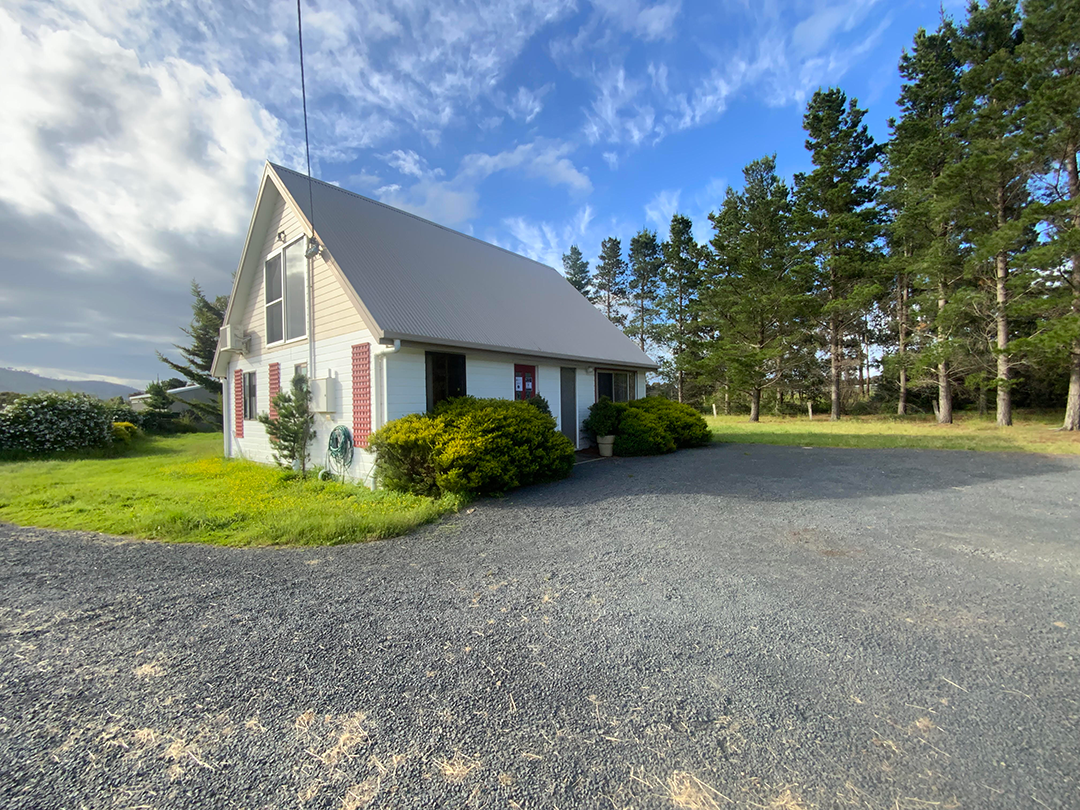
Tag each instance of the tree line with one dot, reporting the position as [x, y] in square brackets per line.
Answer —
[948, 257]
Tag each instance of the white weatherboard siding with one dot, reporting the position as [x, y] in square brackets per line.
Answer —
[334, 360]
[337, 328]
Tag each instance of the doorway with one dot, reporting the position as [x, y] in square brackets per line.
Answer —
[568, 404]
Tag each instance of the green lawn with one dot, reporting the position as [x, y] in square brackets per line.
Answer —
[180, 488]
[1029, 434]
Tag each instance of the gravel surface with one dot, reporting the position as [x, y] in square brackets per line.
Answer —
[737, 626]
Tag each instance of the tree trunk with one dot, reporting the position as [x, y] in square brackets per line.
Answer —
[944, 408]
[727, 400]
[1072, 405]
[755, 405]
[1001, 266]
[834, 367]
[982, 399]
[901, 322]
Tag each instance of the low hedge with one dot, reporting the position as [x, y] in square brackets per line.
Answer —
[644, 427]
[686, 426]
[49, 422]
[478, 446]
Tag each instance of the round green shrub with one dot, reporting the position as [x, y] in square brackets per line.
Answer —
[642, 434]
[405, 453]
[685, 425]
[540, 404]
[469, 445]
[604, 417]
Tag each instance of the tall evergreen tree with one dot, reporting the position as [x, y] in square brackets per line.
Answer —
[646, 261]
[206, 320]
[680, 276]
[995, 169]
[1051, 59]
[838, 218]
[923, 236]
[609, 281]
[576, 270]
[753, 292]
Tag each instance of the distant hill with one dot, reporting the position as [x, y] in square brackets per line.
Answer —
[23, 382]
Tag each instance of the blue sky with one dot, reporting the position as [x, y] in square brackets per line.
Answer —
[134, 133]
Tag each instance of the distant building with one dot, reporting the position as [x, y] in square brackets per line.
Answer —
[183, 395]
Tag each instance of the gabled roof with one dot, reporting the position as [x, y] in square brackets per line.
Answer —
[423, 282]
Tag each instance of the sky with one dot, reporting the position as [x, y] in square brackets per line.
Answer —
[134, 133]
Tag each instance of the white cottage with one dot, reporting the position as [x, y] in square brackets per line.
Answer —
[388, 314]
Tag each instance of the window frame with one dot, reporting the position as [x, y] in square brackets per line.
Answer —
[249, 393]
[429, 377]
[280, 253]
[631, 383]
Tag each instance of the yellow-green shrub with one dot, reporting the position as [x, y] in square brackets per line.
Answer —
[471, 445]
[124, 432]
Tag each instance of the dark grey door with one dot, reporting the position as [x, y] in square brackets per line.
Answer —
[568, 389]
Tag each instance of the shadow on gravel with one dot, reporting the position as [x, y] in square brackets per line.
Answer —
[770, 473]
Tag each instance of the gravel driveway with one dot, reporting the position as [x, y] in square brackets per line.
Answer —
[736, 626]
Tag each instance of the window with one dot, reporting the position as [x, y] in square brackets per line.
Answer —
[251, 409]
[285, 278]
[300, 370]
[524, 382]
[445, 377]
[618, 386]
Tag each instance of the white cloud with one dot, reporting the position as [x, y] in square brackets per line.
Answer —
[661, 208]
[780, 62]
[527, 104]
[546, 242]
[644, 21]
[133, 150]
[409, 163]
[454, 201]
[611, 159]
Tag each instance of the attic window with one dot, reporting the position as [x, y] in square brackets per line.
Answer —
[286, 285]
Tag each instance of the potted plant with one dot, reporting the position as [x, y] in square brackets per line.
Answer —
[603, 423]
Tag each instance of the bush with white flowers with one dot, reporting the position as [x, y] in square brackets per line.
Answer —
[49, 422]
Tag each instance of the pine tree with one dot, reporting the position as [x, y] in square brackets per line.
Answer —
[291, 431]
[1051, 61]
[680, 276]
[753, 292]
[923, 235]
[995, 170]
[207, 317]
[576, 270]
[837, 215]
[646, 261]
[158, 400]
[609, 281]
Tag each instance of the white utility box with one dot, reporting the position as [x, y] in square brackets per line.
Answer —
[322, 394]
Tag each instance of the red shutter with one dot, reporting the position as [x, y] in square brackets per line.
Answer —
[361, 394]
[275, 386]
[238, 403]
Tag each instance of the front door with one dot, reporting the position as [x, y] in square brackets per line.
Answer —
[568, 403]
[524, 381]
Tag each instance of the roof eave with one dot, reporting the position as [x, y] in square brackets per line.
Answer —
[518, 350]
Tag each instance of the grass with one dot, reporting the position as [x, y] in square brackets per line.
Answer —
[1031, 433]
[179, 488]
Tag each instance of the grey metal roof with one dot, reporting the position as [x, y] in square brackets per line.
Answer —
[424, 282]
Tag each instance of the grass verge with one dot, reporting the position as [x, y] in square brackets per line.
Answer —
[1031, 433]
[179, 488]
